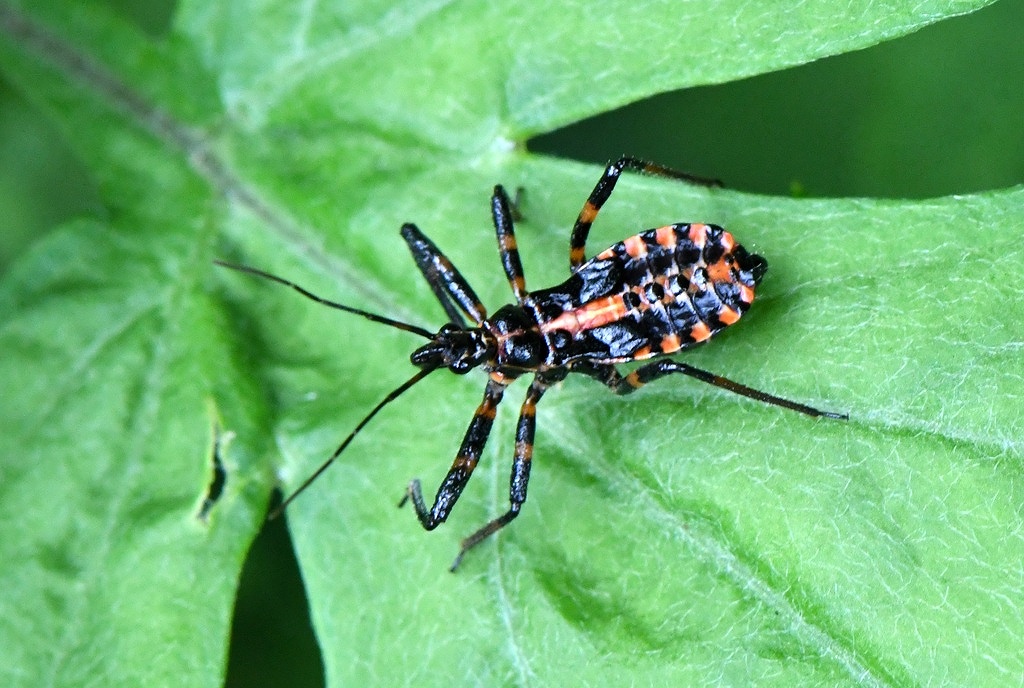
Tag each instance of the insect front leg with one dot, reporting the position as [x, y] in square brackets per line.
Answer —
[603, 189]
[462, 468]
[449, 286]
[521, 462]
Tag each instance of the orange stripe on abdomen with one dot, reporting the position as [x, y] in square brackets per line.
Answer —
[594, 314]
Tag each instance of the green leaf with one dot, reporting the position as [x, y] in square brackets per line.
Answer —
[679, 536]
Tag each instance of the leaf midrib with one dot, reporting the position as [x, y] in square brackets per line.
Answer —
[193, 146]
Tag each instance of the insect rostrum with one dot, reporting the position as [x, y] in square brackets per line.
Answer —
[647, 297]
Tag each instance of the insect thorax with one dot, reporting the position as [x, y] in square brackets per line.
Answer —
[519, 342]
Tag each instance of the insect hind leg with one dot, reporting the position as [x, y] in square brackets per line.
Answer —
[603, 190]
[627, 384]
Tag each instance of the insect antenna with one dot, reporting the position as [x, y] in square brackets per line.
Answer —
[326, 302]
[397, 392]
[394, 394]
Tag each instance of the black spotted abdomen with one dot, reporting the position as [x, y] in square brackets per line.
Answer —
[654, 293]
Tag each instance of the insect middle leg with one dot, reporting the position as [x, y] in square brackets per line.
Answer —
[603, 189]
[520, 477]
[627, 384]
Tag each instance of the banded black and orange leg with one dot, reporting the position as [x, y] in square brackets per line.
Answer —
[603, 189]
[521, 461]
[449, 286]
[501, 211]
[627, 384]
[465, 461]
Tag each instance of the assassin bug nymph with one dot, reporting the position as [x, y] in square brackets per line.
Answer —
[648, 296]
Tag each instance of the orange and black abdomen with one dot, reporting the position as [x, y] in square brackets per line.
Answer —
[652, 294]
